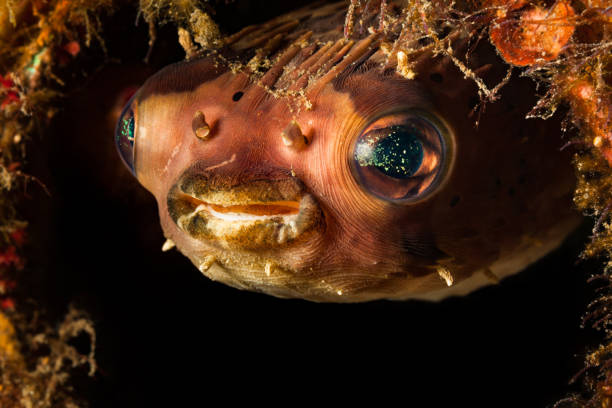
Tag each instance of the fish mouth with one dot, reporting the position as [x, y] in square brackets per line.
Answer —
[249, 214]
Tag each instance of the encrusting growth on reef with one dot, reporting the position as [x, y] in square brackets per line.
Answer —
[37, 38]
[34, 372]
[31, 378]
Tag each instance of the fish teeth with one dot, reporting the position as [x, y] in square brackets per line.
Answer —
[293, 225]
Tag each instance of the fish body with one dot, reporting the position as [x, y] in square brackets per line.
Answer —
[300, 163]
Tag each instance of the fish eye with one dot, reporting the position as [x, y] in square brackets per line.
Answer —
[401, 156]
[125, 136]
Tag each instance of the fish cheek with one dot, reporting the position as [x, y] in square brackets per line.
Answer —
[480, 226]
[405, 243]
[371, 236]
[352, 216]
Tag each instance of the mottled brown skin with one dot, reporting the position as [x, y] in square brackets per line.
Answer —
[504, 202]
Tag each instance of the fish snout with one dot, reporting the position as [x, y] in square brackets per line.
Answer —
[245, 212]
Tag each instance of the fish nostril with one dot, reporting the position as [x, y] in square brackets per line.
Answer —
[236, 97]
[293, 137]
[199, 126]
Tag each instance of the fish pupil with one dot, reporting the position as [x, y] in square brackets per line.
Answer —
[125, 137]
[127, 128]
[396, 151]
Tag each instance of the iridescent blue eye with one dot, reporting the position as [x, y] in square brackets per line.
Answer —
[125, 136]
[400, 156]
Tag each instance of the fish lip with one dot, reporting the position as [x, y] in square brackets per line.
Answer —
[272, 213]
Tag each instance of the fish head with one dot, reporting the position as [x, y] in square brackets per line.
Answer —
[353, 184]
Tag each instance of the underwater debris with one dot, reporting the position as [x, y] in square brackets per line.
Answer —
[206, 32]
[192, 17]
[35, 373]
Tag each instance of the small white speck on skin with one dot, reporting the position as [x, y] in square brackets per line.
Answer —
[268, 268]
[175, 151]
[223, 163]
[207, 263]
[445, 274]
[168, 245]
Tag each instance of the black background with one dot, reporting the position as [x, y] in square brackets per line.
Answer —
[169, 337]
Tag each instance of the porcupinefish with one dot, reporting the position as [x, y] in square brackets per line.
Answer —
[301, 163]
